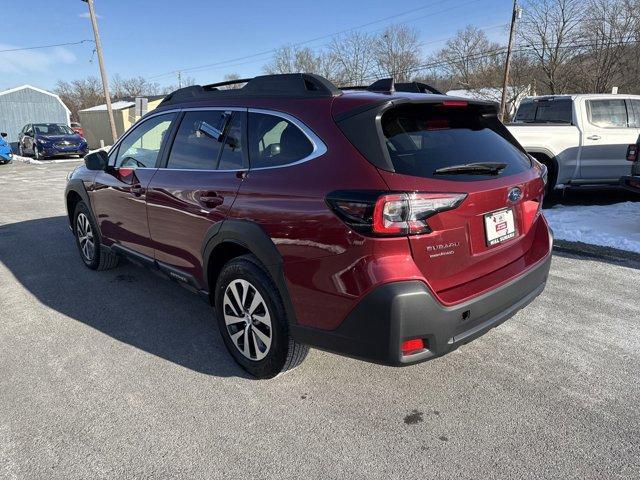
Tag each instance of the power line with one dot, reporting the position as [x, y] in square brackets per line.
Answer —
[45, 46]
[322, 37]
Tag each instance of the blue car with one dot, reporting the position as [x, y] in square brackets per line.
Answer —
[50, 140]
[6, 155]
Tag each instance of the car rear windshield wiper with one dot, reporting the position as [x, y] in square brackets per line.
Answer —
[488, 168]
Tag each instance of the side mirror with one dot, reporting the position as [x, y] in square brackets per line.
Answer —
[97, 160]
[3, 134]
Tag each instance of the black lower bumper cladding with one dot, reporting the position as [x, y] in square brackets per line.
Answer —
[400, 311]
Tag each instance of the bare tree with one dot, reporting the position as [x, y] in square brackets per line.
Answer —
[186, 82]
[396, 52]
[470, 59]
[549, 31]
[80, 94]
[132, 87]
[355, 58]
[607, 32]
[292, 59]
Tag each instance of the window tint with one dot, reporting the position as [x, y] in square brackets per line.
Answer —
[526, 112]
[546, 111]
[608, 113]
[554, 111]
[274, 141]
[141, 147]
[422, 139]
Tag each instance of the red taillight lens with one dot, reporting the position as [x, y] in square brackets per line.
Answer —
[632, 153]
[406, 213]
[412, 346]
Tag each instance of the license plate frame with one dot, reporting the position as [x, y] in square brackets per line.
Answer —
[499, 226]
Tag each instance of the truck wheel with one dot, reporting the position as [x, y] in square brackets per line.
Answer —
[252, 320]
[88, 242]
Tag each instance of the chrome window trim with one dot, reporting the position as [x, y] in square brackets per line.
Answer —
[319, 148]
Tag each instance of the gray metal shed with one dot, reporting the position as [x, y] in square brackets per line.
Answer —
[27, 104]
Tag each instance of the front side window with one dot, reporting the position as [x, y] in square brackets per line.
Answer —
[607, 113]
[274, 141]
[199, 140]
[140, 148]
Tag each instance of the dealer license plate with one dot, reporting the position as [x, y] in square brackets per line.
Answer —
[499, 226]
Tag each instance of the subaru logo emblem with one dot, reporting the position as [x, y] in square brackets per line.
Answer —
[514, 194]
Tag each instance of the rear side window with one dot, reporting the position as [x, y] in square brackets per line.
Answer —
[423, 139]
[275, 141]
[546, 111]
[607, 113]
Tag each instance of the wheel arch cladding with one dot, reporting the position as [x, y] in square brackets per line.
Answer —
[76, 193]
[229, 239]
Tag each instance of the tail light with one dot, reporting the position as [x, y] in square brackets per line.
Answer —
[632, 153]
[391, 214]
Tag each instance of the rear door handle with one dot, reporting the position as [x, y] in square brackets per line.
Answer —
[211, 199]
[594, 137]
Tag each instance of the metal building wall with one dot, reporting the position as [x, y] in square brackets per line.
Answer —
[29, 106]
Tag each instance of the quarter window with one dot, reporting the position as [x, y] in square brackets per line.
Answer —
[140, 149]
[274, 141]
[608, 113]
[199, 140]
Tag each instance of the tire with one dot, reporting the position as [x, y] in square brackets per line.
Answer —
[92, 253]
[261, 319]
[36, 153]
[20, 150]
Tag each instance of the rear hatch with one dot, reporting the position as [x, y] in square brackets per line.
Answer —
[461, 151]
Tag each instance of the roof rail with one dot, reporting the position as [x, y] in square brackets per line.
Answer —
[388, 85]
[305, 85]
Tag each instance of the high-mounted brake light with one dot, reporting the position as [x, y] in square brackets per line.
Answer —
[455, 103]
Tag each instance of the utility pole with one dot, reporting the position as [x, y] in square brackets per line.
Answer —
[103, 73]
[179, 78]
[507, 64]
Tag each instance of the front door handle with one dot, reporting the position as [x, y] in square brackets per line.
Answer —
[594, 137]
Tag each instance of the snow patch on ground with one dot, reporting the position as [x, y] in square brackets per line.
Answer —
[616, 225]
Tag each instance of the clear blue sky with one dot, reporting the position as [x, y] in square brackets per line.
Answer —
[151, 38]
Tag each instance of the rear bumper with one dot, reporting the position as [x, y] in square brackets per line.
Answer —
[399, 311]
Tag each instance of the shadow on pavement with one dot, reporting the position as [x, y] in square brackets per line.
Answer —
[128, 303]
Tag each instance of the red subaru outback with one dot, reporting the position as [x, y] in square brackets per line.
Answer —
[388, 223]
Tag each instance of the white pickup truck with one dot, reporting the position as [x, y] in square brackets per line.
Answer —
[582, 139]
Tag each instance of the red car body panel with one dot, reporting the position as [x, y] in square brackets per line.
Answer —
[328, 267]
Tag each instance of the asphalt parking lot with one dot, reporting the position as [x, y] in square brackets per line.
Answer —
[122, 374]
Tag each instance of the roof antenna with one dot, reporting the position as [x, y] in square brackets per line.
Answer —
[383, 85]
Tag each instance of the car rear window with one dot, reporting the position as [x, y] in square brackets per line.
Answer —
[545, 111]
[422, 139]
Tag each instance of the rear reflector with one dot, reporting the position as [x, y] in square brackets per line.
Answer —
[412, 346]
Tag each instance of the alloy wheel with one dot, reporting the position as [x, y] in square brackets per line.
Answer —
[247, 319]
[85, 237]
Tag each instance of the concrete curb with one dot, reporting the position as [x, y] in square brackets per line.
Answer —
[597, 252]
